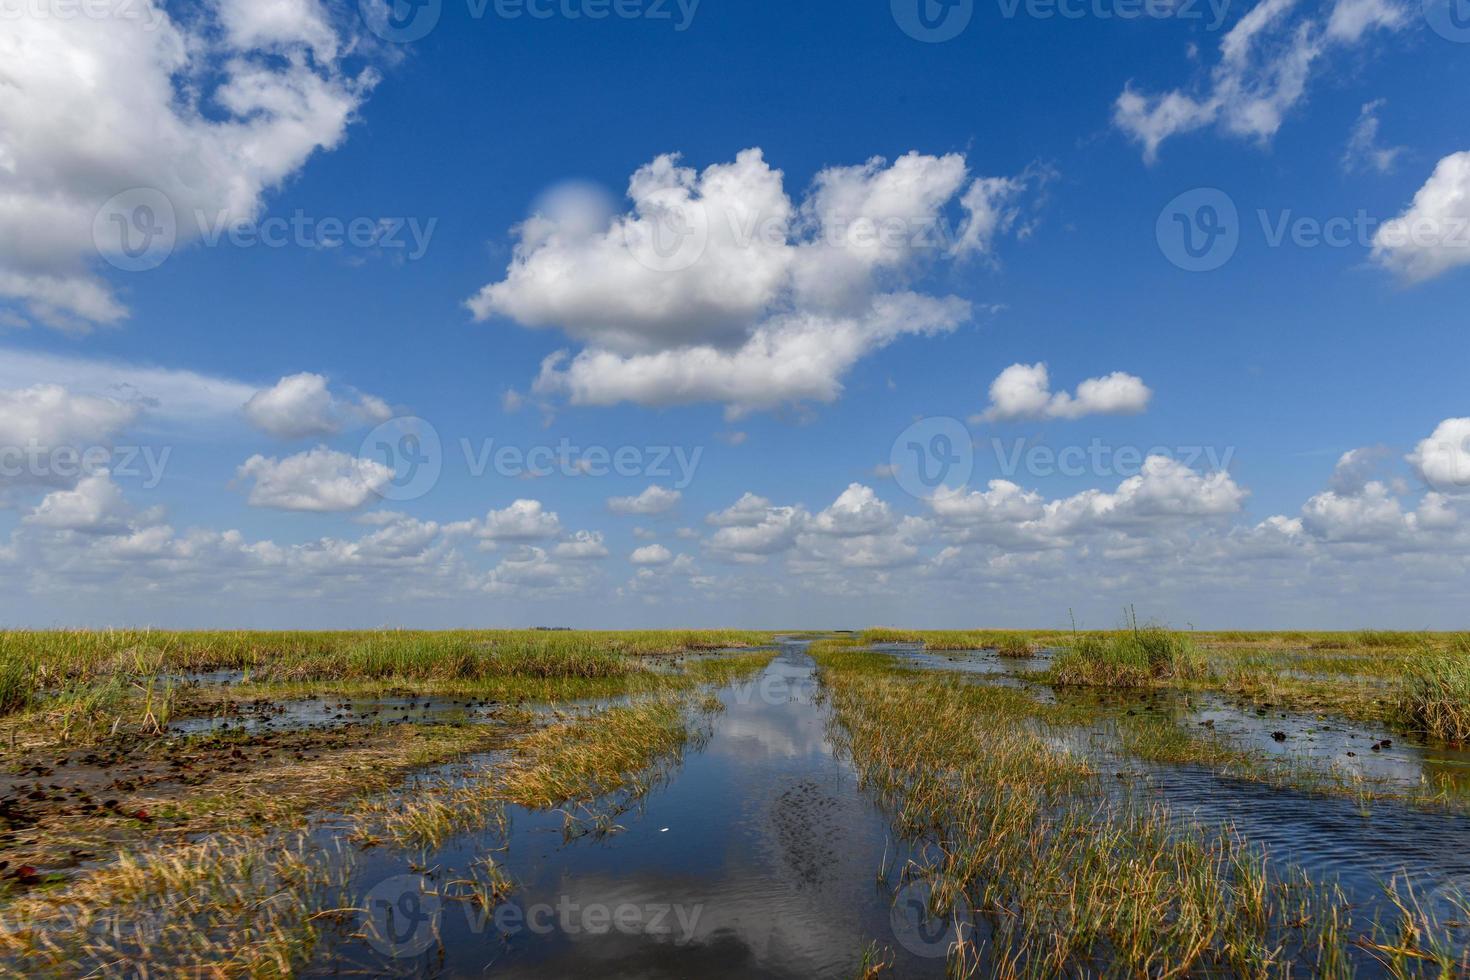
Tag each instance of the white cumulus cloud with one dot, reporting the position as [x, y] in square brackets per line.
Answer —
[1023, 391]
[1443, 459]
[209, 111]
[653, 500]
[651, 554]
[300, 406]
[1433, 235]
[716, 286]
[319, 479]
[47, 415]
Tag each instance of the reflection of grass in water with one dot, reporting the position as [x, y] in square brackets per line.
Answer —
[1012, 831]
[573, 764]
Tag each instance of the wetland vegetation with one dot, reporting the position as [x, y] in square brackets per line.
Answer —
[1140, 801]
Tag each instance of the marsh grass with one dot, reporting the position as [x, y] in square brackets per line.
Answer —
[1434, 700]
[254, 903]
[567, 765]
[56, 657]
[72, 687]
[999, 640]
[1010, 832]
[1020, 845]
[1013, 645]
[1135, 657]
[225, 906]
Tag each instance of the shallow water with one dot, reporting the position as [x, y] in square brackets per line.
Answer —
[758, 857]
[759, 854]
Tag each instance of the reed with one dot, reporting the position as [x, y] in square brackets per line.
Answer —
[1135, 657]
[1435, 699]
[1015, 841]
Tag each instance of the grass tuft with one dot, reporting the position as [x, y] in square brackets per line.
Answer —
[1435, 699]
[1134, 657]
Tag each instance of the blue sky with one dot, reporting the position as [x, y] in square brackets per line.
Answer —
[1031, 171]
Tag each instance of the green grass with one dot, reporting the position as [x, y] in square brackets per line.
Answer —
[55, 657]
[1435, 699]
[1010, 831]
[73, 686]
[1013, 645]
[978, 639]
[1135, 657]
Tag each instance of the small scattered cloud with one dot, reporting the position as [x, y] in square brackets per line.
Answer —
[1363, 151]
[653, 554]
[318, 480]
[1023, 391]
[652, 501]
[300, 406]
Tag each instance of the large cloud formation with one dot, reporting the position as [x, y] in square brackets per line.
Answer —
[207, 109]
[716, 286]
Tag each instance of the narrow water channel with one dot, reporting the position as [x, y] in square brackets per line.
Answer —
[759, 856]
